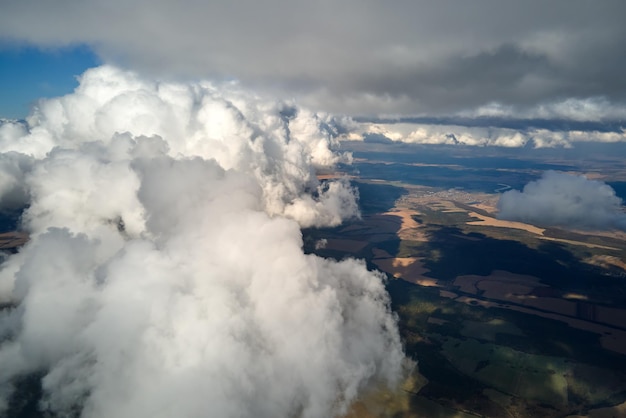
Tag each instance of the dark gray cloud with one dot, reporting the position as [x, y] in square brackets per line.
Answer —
[565, 200]
[358, 57]
[461, 81]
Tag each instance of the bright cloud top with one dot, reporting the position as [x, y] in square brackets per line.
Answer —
[558, 199]
[165, 274]
[277, 143]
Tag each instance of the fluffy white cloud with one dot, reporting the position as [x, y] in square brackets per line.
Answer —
[445, 134]
[13, 193]
[165, 274]
[559, 199]
[276, 142]
[415, 133]
[544, 138]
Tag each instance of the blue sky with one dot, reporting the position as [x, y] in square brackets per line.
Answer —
[28, 74]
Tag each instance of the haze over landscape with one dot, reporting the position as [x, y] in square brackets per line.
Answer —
[290, 209]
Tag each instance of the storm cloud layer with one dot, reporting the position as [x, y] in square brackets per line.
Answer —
[559, 199]
[165, 274]
[360, 57]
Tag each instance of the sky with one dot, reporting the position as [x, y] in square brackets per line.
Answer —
[28, 74]
[558, 59]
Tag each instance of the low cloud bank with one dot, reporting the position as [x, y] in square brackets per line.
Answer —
[558, 199]
[165, 274]
[482, 136]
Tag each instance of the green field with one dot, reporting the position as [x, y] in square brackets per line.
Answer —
[491, 360]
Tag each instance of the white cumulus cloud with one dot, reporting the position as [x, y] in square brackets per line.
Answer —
[165, 274]
[559, 199]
